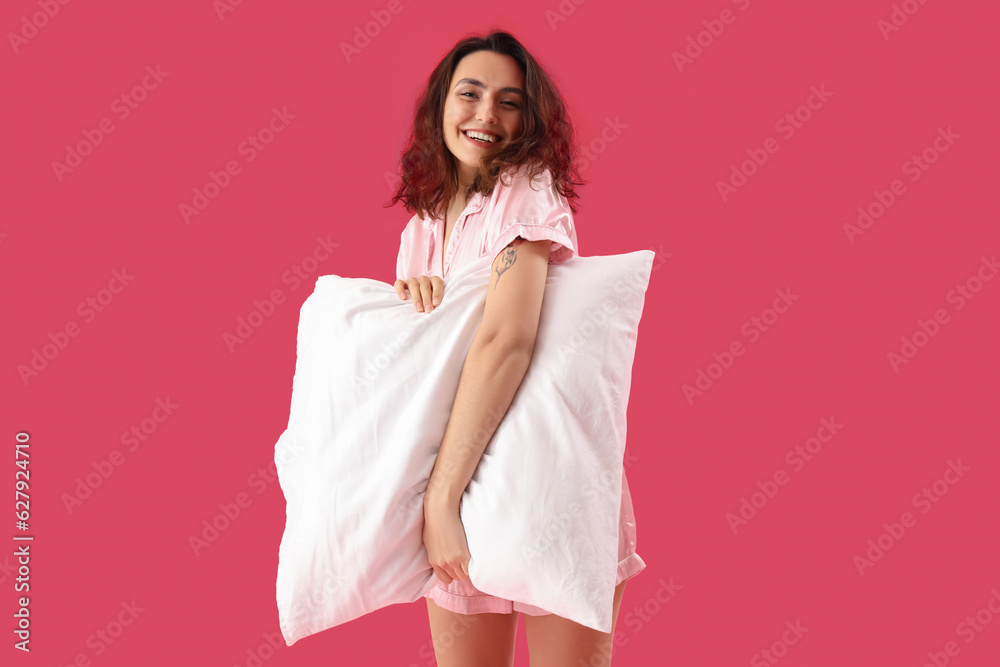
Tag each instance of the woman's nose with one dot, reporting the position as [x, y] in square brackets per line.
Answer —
[485, 112]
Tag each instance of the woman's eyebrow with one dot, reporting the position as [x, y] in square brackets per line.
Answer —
[480, 84]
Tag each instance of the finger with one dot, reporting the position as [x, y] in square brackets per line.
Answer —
[426, 291]
[400, 288]
[438, 287]
[414, 286]
[443, 576]
[459, 572]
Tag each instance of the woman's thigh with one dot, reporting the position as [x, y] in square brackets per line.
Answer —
[554, 641]
[472, 639]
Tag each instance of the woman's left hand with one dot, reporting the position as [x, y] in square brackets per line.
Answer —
[445, 541]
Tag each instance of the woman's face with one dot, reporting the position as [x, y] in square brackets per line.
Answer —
[486, 94]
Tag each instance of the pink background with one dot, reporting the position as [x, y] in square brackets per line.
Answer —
[654, 184]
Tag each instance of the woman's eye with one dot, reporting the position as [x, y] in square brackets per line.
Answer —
[513, 105]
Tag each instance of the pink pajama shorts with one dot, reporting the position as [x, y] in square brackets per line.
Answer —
[464, 598]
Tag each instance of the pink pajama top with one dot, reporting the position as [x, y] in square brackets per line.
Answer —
[487, 225]
[534, 212]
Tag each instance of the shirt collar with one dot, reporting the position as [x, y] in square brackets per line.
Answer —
[476, 203]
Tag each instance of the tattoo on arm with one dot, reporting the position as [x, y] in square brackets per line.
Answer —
[508, 259]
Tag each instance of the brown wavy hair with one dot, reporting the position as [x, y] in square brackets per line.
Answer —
[428, 169]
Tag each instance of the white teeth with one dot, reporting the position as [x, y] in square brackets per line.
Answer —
[480, 135]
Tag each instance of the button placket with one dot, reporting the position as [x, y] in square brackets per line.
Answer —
[474, 206]
[430, 252]
[456, 234]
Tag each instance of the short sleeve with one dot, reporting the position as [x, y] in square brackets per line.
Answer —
[534, 211]
[407, 243]
[400, 264]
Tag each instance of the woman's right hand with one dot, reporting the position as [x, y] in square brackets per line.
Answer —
[426, 290]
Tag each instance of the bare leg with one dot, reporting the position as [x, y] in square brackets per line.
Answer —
[460, 640]
[554, 641]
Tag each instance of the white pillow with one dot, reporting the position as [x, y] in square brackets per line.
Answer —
[374, 384]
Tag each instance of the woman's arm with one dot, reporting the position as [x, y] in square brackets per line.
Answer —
[494, 367]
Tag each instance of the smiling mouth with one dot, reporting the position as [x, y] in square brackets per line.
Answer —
[480, 142]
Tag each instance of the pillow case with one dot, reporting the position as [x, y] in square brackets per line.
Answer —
[373, 388]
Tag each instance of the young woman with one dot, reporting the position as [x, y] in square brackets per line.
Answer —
[487, 171]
